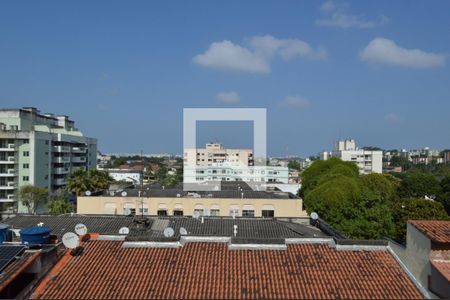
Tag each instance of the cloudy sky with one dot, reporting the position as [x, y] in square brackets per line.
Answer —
[375, 71]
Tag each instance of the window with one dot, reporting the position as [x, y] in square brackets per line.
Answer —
[46, 142]
[178, 212]
[145, 211]
[268, 213]
[26, 141]
[46, 177]
[26, 166]
[26, 153]
[162, 212]
[234, 212]
[248, 213]
[200, 211]
[25, 178]
[214, 212]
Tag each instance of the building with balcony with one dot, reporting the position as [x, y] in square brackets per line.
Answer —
[368, 161]
[41, 150]
[216, 163]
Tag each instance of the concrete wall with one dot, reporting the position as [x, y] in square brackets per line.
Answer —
[103, 205]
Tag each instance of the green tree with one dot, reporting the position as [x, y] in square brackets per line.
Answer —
[444, 197]
[32, 197]
[294, 165]
[415, 209]
[400, 161]
[59, 203]
[81, 181]
[328, 169]
[383, 186]
[419, 184]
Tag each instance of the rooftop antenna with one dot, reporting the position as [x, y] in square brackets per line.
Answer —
[169, 232]
[80, 229]
[70, 240]
[235, 230]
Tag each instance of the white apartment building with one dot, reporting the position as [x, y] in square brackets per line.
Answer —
[133, 176]
[216, 163]
[214, 154]
[368, 161]
[41, 150]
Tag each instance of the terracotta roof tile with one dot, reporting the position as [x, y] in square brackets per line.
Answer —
[16, 267]
[441, 261]
[209, 270]
[437, 231]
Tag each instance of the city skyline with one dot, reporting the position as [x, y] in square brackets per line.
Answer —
[324, 70]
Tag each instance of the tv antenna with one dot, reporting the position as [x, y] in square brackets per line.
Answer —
[169, 232]
[70, 240]
[80, 229]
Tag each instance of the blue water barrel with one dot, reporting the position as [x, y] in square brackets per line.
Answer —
[4, 233]
[35, 235]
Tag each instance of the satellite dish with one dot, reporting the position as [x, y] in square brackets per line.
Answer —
[314, 216]
[70, 240]
[169, 232]
[88, 193]
[111, 193]
[183, 231]
[80, 229]
[123, 194]
[178, 195]
[127, 211]
[124, 230]
[196, 214]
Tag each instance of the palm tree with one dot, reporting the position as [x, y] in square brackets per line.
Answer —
[79, 182]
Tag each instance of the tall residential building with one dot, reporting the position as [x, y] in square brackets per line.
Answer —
[216, 163]
[214, 154]
[368, 161]
[41, 150]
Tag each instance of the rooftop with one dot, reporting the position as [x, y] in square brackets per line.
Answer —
[64, 223]
[106, 270]
[437, 231]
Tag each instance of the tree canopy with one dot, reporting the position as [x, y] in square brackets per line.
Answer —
[92, 180]
[32, 197]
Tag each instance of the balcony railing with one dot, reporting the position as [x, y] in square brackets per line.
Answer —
[60, 181]
[63, 149]
[61, 159]
[78, 159]
[79, 149]
[61, 170]
[8, 173]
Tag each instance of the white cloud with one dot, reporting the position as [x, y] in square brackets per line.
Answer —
[257, 55]
[228, 56]
[295, 102]
[392, 117]
[337, 15]
[228, 97]
[385, 51]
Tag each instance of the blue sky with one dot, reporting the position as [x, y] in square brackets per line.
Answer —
[375, 71]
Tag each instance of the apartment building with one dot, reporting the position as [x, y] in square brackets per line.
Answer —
[41, 150]
[368, 161]
[214, 154]
[216, 163]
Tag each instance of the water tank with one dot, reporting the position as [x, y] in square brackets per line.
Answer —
[5, 233]
[36, 235]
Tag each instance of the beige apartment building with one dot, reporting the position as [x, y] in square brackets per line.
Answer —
[214, 154]
[180, 203]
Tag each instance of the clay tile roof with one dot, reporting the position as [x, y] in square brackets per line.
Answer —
[104, 270]
[437, 231]
[441, 261]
